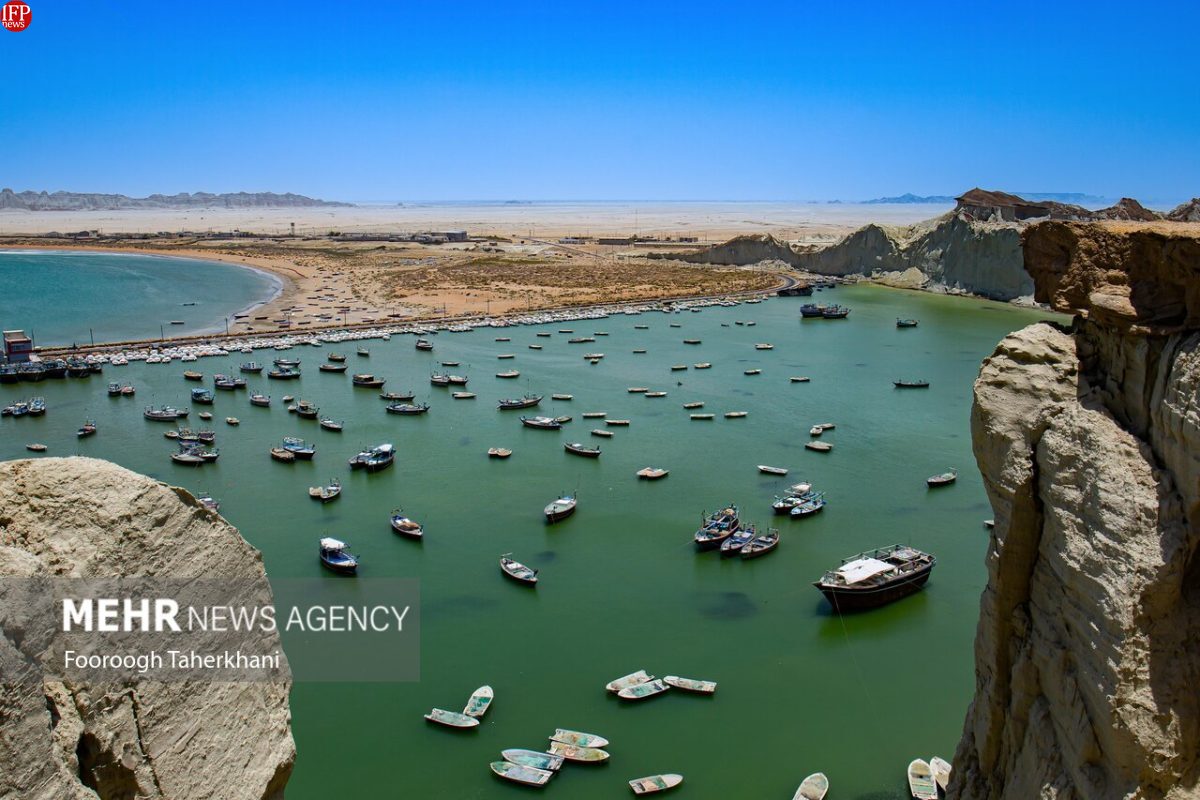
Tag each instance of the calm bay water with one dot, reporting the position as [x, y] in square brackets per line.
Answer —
[62, 297]
[621, 588]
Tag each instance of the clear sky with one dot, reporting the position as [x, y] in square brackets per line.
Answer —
[500, 100]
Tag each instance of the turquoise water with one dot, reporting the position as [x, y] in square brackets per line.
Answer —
[621, 587]
[63, 297]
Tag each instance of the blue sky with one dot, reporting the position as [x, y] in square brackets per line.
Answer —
[651, 101]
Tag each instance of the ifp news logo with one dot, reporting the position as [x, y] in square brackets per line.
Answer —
[15, 16]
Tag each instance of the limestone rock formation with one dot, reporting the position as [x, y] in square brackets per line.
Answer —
[82, 517]
[1127, 209]
[1089, 445]
[1186, 212]
[742, 250]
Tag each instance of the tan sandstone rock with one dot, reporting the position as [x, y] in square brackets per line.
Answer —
[82, 517]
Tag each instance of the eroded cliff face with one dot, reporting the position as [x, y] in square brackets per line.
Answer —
[82, 517]
[1088, 647]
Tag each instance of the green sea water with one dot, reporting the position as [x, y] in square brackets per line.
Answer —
[63, 297]
[621, 588]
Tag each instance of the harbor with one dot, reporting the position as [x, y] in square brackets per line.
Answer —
[620, 583]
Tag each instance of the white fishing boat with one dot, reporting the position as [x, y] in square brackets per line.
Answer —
[451, 719]
[690, 684]
[799, 379]
[820, 447]
[643, 690]
[769, 470]
[480, 702]
[814, 787]
[815, 430]
[533, 758]
[625, 681]
[735, 414]
[519, 773]
[575, 753]
[578, 738]
[652, 473]
[602, 432]
[702, 416]
[655, 783]
[921, 784]
[941, 771]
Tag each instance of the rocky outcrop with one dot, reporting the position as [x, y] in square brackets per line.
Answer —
[740, 251]
[1129, 210]
[81, 517]
[1086, 663]
[1186, 212]
[81, 201]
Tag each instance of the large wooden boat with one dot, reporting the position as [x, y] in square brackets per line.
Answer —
[528, 401]
[332, 367]
[561, 508]
[717, 527]
[761, 545]
[911, 384]
[545, 423]
[876, 577]
[405, 526]
[737, 541]
[375, 458]
[410, 409]
[367, 381]
[581, 450]
[651, 473]
[299, 448]
[202, 396]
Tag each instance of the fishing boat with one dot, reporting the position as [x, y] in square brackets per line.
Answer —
[617, 423]
[809, 504]
[127, 390]
[814, 787]
[799, 379]
[876, 577]
[593, 356]
[306, 409]
[691, 341]
[202, 396]
[451, 719]
[363, 352]
[655, 783]
[602, 432]
[424, 345]
[36, 447]
[702, 416]
[761, 545]
[409, 409]
[528, 401]
[678, 367]
[641, 351]
[535, 347]
[690, 684]
[499, 452]
[739, 539]
[518, 571]
[299, 448]
[336, 557]
[656, 394]
[769, 470]
[191, 375]
[764, 346]
[944, 479]
[906, 384]
[587, 755]
[920, 780]
[336, 358]
[752, 372]
[578, 738]
[331, 425]
[906, 323]
[164, 413]
[187, 459]
[702, 365]
[625, 681]
[88, 428]
[37, 406]
[282, 374]
[643, 690]
[479, 702]
[835, 312]
[326, 494]
[205, 499]
[717, 527]
[652, 473]
[394, 397]
[533, 758]
[509, 374]
[405, 526]
[332, 367]
[593, 415]
[580, 450]
[260, 400]
[820, 447]
[561, 508]
[812, 311]
[287, 362]
[252, 367]
[463, 395]
[439, 379]
[693, 405]
[545, 423]
[280, 454]
[506, 356]
[114, 390]
[287, 398]
[940, 768]
[367, 381]
[562, 397]
[375, 459]
[637, 390]
[520, 773]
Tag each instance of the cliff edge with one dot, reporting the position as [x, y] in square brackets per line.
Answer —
[82, 517]
[1089, 445]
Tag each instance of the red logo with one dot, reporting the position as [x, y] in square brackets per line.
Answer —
[15, 15]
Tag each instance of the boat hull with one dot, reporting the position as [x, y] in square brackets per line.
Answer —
[848, 599]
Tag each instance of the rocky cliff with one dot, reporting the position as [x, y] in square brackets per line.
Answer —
[1089, 445]
[81, 517]
[82, 201]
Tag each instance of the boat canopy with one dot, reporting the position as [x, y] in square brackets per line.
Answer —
[332, 544]
[862, 569]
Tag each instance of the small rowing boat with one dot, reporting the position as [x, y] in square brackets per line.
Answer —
[820, 447]
[544, 423]
[480, 702]
[518, 571]
[690, 684]
[463, 395]
[734, 414]
[814, 787]
[451, 719]
[626, 681]
[761, 545]
[326, 494]
[593, 415]
[944, 479]
[941, 771]
[652, 473]
[532, 758]
[579, 449]
[769, 470]
[702, 365]
[655, 783]
[572, 752]
[702, 416]
[562, 397]
[799, 379]
[693, 405]
[563, 507]
[405, 526]
[917, 384]
[602, 432]
[512, 373]
[752, 372]
[499, 452]
[643, 690]
[578, 738]
[519, 773]
[618, 423]
[920, 780]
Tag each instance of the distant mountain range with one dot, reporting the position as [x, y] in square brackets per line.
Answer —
[81, 201]
[1075, 198]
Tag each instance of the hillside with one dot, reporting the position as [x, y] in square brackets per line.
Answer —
[81, 201]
